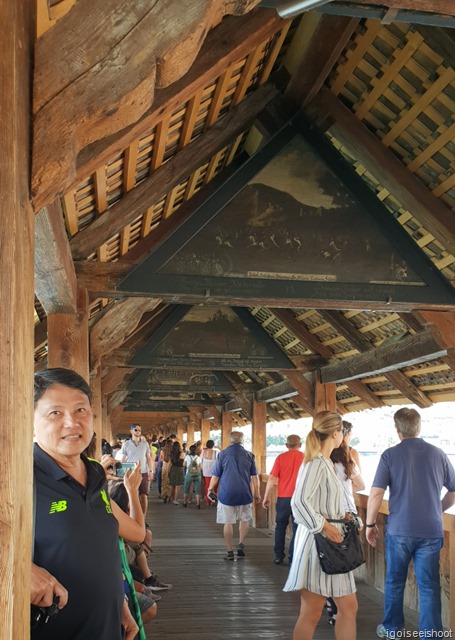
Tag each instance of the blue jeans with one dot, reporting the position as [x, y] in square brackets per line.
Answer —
[283, 513]
[425, 554]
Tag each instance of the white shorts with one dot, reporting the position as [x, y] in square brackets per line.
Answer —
[226, 514]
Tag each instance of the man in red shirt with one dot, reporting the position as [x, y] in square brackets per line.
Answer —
[285, 470]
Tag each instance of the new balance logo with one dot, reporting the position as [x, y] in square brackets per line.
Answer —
[106, 501]
[58, 506]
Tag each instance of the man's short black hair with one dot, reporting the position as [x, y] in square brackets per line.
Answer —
[67, 377]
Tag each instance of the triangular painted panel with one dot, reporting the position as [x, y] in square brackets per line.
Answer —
[304, 226]
[214, 338]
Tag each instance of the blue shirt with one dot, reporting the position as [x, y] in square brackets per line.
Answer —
[234, 467]
[415, 472]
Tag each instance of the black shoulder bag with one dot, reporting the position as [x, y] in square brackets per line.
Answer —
[340, 557]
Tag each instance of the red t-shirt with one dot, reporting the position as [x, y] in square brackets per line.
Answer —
[286, 468]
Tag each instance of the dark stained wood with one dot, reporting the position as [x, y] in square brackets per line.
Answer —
[408, 389]
[259, 432]
[275, 392]
[320, 52]
[381, 162]
[311, 341]
[212, 599]
[40, 334]
[435, 6]
[347, 330]
[361, 390]
[410, 350]
[55, 277]
[305, 398]
[240, 402]
[325, 396]
[169, 175]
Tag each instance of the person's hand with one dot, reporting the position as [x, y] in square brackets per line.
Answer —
[43, 587]
[257, 498]
[107, 461]
[266, 503]
[133, 479]
[128, 622]
[371, 534]
[331, 532]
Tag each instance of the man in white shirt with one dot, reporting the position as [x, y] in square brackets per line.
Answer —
[136, 449]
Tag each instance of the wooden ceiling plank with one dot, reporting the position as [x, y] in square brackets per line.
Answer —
[287, 317]
[361, 390]
[433, 214]
[118, 94]
[343, 327]
[135, 202]
[407, 352]
[435, 6]
[323, 45]
[55, 276]
[275, 392]
[408, 389]
[190, 118]
[130, 162]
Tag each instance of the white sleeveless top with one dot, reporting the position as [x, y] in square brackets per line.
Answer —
[208, 465]
[348, 500]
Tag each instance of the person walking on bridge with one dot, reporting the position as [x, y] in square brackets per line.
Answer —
[415, 472]
[284, 470]
[235, 471]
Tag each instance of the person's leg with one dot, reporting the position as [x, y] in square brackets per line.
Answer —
[283, 507]
[311, 605]
[144, 489]
[228, 532]
[294, 531]
[346, 625]
[197, 491]
[141, 561]
[244, 526]
[206, 485]
[398, 557]
[176, 493]
[426, 569]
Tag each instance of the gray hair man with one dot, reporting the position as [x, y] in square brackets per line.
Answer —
[235, 472]
[415, 472]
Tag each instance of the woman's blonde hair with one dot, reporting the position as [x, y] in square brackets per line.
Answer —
[324, 424]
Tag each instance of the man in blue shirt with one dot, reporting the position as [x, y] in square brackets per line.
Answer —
[235, 471]
[415, 472]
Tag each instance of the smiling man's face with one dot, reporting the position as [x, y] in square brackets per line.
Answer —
[63, 422]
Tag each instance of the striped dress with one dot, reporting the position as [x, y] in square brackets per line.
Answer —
[318, 495]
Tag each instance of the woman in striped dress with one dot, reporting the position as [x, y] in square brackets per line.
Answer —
[318, 497]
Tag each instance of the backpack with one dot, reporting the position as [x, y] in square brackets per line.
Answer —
[193, 468]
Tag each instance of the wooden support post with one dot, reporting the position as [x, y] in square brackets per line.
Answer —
[190, 434]
[226, 428]
[95, 385]
[106, 429]
[180, 433]
[259, 435]
[68, 338]
[325, 398]
[16, 317]
[205, 430]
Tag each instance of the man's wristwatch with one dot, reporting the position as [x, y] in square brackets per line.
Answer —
[370, 526]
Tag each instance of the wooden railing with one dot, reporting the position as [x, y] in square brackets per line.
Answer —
[373, 571]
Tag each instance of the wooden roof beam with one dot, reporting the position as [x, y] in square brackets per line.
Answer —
[431, 212]
[407, 352]
[170, 174]
[275, 392]
[287, 317]
[408, 389]
[55, 277]
[240, 402]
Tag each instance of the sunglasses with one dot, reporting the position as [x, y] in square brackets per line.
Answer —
[137, 430]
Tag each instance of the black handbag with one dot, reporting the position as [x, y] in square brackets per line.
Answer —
[340, 557]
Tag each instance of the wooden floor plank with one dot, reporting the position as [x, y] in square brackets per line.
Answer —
[213, 599]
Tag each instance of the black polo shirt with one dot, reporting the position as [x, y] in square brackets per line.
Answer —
[76, 540]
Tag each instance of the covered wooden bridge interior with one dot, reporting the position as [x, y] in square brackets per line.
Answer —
[221, 212]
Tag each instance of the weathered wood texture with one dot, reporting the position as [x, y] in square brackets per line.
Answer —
[55, 277]
[79, 99]
[111, 330]
[68, 338]
[259, 428]
[16, 318]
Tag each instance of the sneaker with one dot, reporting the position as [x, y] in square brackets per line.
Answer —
[198, 506]
[278, 560]
[155, 584]
[241, 550]
[153, 596]
[229, 555]
[184, 505]
[381, 631]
